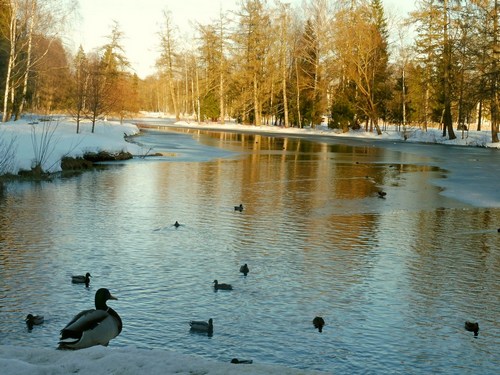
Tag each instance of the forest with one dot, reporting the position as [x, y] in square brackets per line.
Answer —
[346, 63]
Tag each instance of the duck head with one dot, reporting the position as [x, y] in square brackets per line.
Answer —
[101, 297]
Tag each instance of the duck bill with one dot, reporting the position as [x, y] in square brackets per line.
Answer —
[112, 297]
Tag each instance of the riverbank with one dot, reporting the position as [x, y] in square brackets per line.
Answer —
[410, 135]
[30, 141]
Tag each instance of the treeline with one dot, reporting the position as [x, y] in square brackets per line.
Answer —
[271, 63]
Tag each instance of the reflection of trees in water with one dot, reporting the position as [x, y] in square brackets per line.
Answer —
[454, 263]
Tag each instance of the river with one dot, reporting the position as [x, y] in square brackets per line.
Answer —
[395, 278]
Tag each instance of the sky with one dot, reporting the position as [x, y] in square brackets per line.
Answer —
[140, 21]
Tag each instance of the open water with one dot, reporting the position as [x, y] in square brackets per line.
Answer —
[395, 278]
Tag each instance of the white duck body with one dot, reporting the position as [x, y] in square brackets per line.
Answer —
[92, 327]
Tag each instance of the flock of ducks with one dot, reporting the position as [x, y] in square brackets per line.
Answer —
[100, 325]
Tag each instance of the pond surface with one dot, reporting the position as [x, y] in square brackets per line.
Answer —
[395, 279]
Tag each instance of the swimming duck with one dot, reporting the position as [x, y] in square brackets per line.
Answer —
[318, 323]
[176, 224]
[80, 279]
[33, 320]
[244, 269]
[92, 327]
[218, 286]
[202, 326]
[382, 194]
[238, 208]
[240, 361]
[472, 327]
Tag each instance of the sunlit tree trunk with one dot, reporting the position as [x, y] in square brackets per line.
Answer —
[168, 60]
[11, 61]
[222, 90]
[494, 86]
[284, 73]
[31, 19]
[198, 105]
[447, 116]
[299, 119]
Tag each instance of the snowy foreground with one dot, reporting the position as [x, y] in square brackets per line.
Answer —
[49, 141]
[123, 361]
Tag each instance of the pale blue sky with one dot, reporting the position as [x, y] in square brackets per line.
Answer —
[141, 20]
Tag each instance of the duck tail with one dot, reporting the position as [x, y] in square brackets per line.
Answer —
[66, 345]
[69, 334]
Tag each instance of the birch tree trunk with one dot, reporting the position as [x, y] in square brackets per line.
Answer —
[31, 20]
[11, 62]
[284, 39]
[168, 60]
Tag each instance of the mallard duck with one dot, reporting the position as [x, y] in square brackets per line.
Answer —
[472, 327]
[318, 323]
[176, 224]
[240, 361]
[33, 320]
[244, 269]
[92, 327]
[202, 326]
[222, 286]
[239, 208]
[80, 279]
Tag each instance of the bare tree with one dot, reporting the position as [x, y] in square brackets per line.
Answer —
[96, 90]
[80, 85]
[495, 104]
[447, 61]
[284, 17]
[167, 59]
[252, 39]
[25, 19]
[358, 43]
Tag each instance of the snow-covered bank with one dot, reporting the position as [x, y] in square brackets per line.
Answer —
[123, 361]
[49, 141]
[27, 142]
[432, 135]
